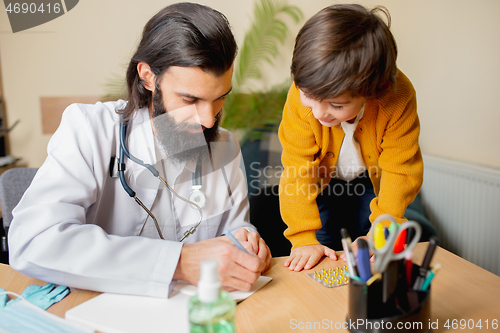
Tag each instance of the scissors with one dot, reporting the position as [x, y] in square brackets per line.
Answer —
[385, 254]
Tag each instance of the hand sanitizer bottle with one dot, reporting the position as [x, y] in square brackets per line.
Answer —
[213, 309]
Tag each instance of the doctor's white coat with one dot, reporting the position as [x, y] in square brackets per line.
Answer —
[76, 226]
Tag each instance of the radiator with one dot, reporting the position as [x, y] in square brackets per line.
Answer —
[463, 202]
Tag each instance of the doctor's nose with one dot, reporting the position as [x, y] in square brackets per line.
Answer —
[207, 116]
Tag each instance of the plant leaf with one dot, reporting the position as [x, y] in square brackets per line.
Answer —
[115, 88]
[261, 41]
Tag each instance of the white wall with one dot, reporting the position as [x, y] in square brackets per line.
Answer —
[448, 48]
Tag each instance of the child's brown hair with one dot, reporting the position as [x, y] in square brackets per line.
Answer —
[345, 48]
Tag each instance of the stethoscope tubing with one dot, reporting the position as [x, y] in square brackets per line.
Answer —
[121, 173]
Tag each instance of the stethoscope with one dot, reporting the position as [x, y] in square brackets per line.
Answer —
[196, 198]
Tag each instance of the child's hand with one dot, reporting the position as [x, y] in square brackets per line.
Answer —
[306, 257]
[354, 247]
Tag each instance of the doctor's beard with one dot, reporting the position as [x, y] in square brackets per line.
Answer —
[175, 139]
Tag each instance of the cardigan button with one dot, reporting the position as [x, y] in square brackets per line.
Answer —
[329, 154]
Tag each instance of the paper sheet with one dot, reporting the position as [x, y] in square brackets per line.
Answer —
[188, 289]
[115, 313]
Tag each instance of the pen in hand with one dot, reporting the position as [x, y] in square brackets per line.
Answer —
[234, 240]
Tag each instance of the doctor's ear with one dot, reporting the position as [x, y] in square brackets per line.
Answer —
[146, 76]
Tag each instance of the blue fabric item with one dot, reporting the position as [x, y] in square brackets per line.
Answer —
[44, 296]
[21, 316]
[3, 298]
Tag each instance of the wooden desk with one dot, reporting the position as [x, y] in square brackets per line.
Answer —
[460, 291]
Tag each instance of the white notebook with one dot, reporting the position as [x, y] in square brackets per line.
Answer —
[115, 313]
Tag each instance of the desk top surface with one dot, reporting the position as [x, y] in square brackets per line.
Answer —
[461, 293]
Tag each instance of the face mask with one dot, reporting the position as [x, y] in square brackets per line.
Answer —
[22, 316]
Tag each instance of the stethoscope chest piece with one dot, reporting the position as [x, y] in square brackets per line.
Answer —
[198, 197]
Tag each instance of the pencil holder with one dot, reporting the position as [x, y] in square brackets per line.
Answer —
[388, 305]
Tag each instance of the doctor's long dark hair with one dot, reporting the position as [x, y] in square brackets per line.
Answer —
[185, 35]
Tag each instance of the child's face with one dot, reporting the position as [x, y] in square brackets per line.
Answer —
[331, 112]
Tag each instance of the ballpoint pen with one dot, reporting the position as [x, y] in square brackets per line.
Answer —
[431, 275]
[234, 240]
[422, 272]
[346, 245]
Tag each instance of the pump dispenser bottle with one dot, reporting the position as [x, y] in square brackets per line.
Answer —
[213, 309]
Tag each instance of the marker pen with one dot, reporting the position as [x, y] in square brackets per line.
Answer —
[409, 267]
[378, 236]
[364, 260]
[386, 233]
[400, 243]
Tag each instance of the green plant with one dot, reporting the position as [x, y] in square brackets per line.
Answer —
[248, 111]
[114, 88]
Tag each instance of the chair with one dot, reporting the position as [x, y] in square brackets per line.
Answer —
[13, 184]
[266, 217]
[415, 212]
[262, 160]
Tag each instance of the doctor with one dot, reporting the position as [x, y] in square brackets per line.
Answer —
[77, 226]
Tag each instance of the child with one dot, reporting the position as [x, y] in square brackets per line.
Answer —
[349, 133]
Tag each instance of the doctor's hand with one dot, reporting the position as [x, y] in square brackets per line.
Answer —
[254, 244]
[306, 257]
[237, 270]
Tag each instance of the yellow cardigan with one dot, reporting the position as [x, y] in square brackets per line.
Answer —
[388, 136]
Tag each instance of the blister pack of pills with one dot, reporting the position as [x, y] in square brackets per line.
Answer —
[331, 277]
